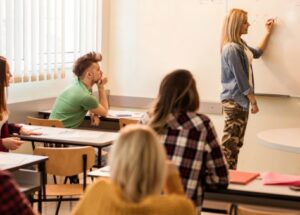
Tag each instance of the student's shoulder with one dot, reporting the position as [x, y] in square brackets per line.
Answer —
[101, 183]
[202, 118]
[202, 122]
[176, 204]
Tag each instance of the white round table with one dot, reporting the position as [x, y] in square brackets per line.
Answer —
[285, 139]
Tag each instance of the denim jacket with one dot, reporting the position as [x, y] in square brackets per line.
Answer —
[235, 74]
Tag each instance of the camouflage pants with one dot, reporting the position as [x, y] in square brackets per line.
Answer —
[234, 131]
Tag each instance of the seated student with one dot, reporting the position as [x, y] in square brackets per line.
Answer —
[189, 137]
[138, 175]
[12, 201]
[76, 100]
[8, 143]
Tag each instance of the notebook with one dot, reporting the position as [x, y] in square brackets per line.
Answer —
[240, 177]
[270, 178]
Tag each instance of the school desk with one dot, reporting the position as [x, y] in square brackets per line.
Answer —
[253, 193]
[68, 136]
[28, 180]
[113, 115]
[285, 139]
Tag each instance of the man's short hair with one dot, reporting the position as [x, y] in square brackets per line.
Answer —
[85, 62]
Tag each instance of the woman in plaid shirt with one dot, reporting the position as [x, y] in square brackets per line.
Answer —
[189, 137]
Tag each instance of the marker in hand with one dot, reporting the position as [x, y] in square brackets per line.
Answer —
[270, 23]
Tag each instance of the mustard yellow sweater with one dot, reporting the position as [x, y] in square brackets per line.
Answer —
[105, 197]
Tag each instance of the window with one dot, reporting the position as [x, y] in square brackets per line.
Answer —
[42, 38]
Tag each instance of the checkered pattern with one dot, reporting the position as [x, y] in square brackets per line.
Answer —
[12, 201]
[191, 143]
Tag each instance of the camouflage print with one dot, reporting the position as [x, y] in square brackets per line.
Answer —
[234, 130]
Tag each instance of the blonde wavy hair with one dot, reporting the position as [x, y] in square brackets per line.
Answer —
[232, 25]
[138, 162]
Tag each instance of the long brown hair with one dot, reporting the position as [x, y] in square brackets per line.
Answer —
[177, 94]
[232, 27]
[3, 84]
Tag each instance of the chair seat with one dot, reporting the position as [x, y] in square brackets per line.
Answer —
[254, 211]
[64, 189]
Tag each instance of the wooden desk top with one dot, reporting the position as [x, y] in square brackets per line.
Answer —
[285, 139]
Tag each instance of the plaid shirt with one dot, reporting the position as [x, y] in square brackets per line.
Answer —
[191, 143]
[12, 201]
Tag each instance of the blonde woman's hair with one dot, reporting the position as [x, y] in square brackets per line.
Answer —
[232, 25]
[137, 162]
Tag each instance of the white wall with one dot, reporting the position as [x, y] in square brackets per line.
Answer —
[21, 92]
[275, 112]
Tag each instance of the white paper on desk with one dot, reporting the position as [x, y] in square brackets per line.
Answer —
[124, 114]
[102, 172]
[82, 135]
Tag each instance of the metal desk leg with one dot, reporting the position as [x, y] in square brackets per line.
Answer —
[99, 156]
[42, 167]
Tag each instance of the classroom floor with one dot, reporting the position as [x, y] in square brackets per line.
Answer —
[66, 208]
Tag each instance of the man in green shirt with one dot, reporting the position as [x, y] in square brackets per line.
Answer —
[76, 100]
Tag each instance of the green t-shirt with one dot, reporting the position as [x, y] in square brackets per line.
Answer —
[72, 105]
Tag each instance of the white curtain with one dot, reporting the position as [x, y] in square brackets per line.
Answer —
[42, 38]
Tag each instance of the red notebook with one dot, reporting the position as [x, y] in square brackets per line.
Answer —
[239, 177]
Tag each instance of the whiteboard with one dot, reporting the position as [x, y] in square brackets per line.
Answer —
[150, 38]
[278, 71]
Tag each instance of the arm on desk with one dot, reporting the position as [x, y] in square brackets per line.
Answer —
[95, 119]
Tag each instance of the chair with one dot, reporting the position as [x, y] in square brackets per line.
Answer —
[126, 121]
[44, 122]
[66, 162]
[248, 210]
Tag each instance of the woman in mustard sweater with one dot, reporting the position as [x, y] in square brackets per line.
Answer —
[139, 174]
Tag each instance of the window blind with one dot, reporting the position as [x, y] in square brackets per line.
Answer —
[42, 38]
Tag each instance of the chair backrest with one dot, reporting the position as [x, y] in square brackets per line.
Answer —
[44, 122]
[67, 161]
[126, 121]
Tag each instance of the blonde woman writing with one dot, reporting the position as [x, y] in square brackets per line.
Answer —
[237, 80]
